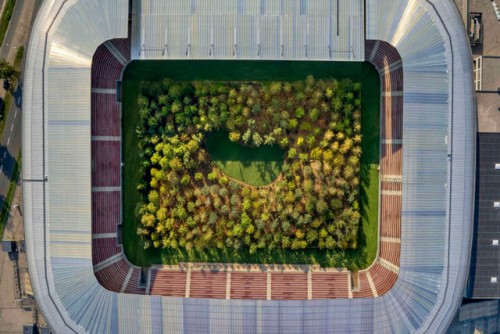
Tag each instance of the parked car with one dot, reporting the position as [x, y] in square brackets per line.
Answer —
[2, 105]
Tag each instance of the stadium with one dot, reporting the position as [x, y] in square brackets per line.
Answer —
[72, 182]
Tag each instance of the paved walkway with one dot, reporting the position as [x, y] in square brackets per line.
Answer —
[12, 317]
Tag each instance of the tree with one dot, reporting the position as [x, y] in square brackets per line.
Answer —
[234, 136]
[257, 139]
[314, 114]
[269, 140]
[246, 136]
[7, 71]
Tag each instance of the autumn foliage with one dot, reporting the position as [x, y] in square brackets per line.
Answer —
[189, 203]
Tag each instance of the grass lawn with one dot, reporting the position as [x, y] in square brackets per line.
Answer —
[256, 166]
[5, 19]
[137, 71]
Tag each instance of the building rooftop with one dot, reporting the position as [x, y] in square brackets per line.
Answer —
[484, 279]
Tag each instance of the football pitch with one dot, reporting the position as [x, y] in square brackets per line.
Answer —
[155, 71]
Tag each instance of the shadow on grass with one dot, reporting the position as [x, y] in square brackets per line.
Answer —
[255, 166]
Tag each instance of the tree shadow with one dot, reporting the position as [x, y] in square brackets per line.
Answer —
[7, 162]
[2, 204]
[18, 95]
[358, 256]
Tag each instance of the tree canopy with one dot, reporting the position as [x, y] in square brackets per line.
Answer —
[190, 203]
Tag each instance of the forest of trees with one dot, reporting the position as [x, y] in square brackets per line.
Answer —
[189, 203]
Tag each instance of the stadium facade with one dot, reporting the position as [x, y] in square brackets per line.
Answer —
[438, 157]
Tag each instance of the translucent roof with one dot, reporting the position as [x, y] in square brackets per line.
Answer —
[250, 29]
[438, 166]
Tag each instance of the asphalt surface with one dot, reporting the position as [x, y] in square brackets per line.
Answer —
[10, 144]
[9, 36]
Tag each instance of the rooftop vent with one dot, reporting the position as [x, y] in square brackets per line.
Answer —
[494, 242]
[493, 280]
[497, 166]
[496, 205]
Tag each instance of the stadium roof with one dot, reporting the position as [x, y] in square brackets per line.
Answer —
[438, 177]
[251, 29]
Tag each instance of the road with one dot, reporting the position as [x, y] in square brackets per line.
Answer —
[10, 144]
[14, 22]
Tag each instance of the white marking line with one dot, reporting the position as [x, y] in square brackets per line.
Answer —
[188, 283]
[388, 239]
[5, 154]
[396, 65]
[103, 90]
[127, 279]
[269, 287]
[106, 138]
[372, 286]
[105, 189]
[103, 235]
[309, 285]
[8, 141]
[389, 265]
[393, 67]
[392, 178]
[392, 141]
[15, 114]
[12, 127]
[228, 285]
[374, 50]
[392, 93]
[115, 52]
[107, 262]
[392, 192]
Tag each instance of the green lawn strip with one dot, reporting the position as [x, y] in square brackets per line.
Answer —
[369, 186]
[368, 234]
[4, 215]
[19, 57]
[5, 19]
[359, 258]
[220, 70]
[255, 166]
[131, 197]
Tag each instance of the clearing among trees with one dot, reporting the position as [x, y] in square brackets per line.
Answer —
[255, 166]
[258, 167]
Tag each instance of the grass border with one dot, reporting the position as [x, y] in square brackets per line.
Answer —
[5, 211]
[19, 57]
[5, 19]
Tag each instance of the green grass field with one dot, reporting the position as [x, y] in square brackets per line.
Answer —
[137, 71]
[256, 166]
